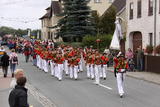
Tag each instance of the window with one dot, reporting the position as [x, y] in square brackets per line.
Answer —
[131, 11]
[150, 8]
[151, 39]
[139, 8]
[49, 37]
[97, 1]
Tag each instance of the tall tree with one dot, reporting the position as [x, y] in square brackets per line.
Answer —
[77, 20]
[106, 23]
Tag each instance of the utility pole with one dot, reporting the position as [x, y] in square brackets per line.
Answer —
[155, 21]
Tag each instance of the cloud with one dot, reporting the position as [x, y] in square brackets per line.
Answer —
[21, 11]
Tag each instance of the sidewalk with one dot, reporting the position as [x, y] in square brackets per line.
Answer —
[146, 76]
[4, 92]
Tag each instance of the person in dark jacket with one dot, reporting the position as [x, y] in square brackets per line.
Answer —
[27, 52]
[5, 63]
[18, 96]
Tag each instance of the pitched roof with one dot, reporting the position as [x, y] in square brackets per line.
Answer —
[48, 8]
[55, 8]
[118, 4]
[45, 16]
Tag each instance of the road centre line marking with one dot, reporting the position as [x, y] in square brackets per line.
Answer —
[109, 88]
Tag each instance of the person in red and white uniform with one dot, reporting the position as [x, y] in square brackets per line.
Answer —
[120, 70]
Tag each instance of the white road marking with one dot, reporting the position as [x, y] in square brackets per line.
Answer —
[109, 88]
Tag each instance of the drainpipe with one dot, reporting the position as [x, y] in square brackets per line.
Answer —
[155, 21]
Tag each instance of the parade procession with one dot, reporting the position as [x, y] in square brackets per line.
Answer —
[79, 53]
[66, 61]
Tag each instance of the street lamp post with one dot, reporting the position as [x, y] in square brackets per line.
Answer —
[98, 43]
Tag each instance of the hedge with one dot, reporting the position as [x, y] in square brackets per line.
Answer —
[91, 41]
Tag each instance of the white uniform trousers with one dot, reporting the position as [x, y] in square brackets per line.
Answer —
[97, 73]
[39, 61]
[37, 57]
[120, 82]
[88, 71]
[60, 71]
[52, 68]
[46, 66]
[71, 71]
[66, 69]
[104, 70]
[42, 64]
[92, 71]
[56, 70]
[100, 71]
[81, 65]
[75, 72]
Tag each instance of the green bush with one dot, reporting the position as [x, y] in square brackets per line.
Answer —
[73, 44]
[91, 41]
[149, 49]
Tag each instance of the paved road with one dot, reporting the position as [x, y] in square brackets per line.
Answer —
[84, 93]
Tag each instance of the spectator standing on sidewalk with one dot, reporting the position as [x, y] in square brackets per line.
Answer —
[140, 56]
[129, 55]
[5, 64]
[18, 96]
[13, 61]
[18, 74]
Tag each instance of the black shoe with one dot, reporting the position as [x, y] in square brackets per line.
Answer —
[12, 75]
[121, 96]
[104, 78]
[5, 76]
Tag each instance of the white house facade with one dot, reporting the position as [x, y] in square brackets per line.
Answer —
[143, 23]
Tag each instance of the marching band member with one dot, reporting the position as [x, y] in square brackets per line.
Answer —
[66, 69]
[76, 60]
[120, 69]
[88, 64]
[97, 67]
[70, 64]
[92, 71]
[46, 59]
[104, 66]
[60, 61]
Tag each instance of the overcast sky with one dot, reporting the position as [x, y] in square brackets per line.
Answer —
[22, 13]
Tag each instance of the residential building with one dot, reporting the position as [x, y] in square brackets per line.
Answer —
[100, 5]
[143, 28]
[51, 19]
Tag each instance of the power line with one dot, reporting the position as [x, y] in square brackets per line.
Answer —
[13, 2]
[18, 20]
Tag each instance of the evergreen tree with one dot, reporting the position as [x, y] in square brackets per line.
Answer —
[77, 21]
